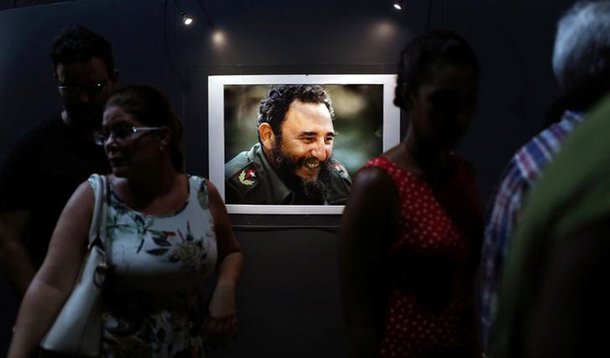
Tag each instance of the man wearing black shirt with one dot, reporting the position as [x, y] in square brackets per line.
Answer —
[50, 160]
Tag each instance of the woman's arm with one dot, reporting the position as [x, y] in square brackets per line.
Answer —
[222, 308]
[54, 281]
[369, 218]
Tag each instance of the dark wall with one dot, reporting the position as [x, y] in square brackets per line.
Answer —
[289, 302]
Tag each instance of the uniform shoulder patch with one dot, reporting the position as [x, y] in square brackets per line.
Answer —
[245, 178]
[337, 166]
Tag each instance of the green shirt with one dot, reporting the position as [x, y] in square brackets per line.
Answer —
[250, 179]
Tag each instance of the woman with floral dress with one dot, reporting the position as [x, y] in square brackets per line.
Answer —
[167, 232]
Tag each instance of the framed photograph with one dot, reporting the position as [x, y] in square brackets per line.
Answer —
[365, 122]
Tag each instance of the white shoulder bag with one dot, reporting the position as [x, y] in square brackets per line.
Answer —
[78, 327]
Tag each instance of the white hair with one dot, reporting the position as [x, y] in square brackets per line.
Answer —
[582, 44]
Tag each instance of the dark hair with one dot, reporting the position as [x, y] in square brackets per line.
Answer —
[273, 109]
[426, 53]
[581, 54]
[153, 109]
[78, 44]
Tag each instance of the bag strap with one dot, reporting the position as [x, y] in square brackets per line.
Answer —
[97, 231]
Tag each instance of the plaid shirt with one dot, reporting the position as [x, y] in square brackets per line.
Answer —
[523, 170]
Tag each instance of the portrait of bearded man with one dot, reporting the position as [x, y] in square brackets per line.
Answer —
[292, 162]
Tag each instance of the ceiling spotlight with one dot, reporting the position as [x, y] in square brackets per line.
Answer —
[186, 19]
[398, 4]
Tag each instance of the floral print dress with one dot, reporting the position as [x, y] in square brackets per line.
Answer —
[158, 265]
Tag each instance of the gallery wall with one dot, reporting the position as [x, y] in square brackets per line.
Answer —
[289, 300]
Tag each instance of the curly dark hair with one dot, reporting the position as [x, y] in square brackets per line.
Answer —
[151, 107]
[423, 55]
[77, 44]
[273, 109]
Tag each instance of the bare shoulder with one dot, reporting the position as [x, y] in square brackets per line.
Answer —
[373, 195]
[69, 238]
[83, 195]
[79, 208]
[215, 202]
[372, 180]
[213, 193]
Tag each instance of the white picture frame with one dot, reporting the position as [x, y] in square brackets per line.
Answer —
[220, 85]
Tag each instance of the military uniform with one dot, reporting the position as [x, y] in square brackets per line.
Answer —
[250, 179]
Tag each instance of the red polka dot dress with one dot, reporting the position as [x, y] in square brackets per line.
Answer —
[430, 266]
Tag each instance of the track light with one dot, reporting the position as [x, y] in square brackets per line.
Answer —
[398, 5]
[186, 19]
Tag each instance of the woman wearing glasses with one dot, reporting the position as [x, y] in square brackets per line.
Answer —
[166, 233]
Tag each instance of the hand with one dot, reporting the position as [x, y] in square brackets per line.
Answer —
[222, 319]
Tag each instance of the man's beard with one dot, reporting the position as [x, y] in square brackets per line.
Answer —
[306, 192]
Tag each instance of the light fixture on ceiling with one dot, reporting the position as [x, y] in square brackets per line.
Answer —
[187, 20]
[398, 5]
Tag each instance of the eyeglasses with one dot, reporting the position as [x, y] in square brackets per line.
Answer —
[91, 89]
[121, 133]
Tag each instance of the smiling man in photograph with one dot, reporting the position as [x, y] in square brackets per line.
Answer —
[292, 163]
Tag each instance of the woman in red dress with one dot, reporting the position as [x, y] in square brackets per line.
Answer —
[411, 230]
